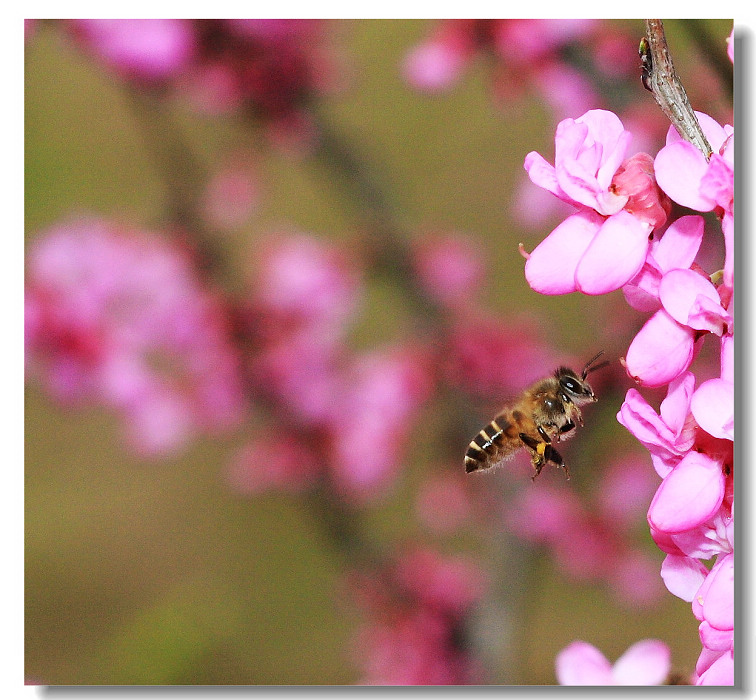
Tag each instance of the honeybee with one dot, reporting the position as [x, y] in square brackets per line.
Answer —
[546, 412]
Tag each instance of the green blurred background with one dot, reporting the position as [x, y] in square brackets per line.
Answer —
[143, 572]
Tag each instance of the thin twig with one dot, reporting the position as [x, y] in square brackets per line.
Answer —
[660, 78]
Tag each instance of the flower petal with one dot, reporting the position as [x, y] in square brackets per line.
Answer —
[550, 269]
[644, 663]
[660, 352]
[679, 169]
[720, 672]
[690, 494]
[679, 245]
[615, 255]
[542, 173]
[719, 601]
[643, 422]
[683, 576]
[692, 300]
[713, 407]
[581, 663]
[675, 406]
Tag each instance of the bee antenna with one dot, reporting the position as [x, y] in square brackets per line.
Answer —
[588, 368]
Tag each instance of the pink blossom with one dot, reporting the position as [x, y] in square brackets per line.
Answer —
[676, 249]
[372, 416]
[644, 663]
[415, 610]
[120, 317]
[588, 152]
[693, 301]
[684, 173]
[668, 435]
[449, 267]
[731, 45]
[434, 65]
[283, 463]
[689, 495]
[588, 253]
[661, 351]
[305, 281]
[635, 179]
[149, 49]
[683, 575]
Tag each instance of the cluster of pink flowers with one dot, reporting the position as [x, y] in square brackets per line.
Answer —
[416, 608]
[594, 542]
[119, 317]
[355, 411]
[526, 54]
[270, 67]
[621, 237]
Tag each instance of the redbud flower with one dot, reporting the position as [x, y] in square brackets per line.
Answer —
[146, 49]
[668, 435]
[588, 151]
[372, 416]
[120, 317]
[684, 173]
[449, 267]
[635, 179]
[689, 495]
[676, 249]
[644, 663]
[282, 463]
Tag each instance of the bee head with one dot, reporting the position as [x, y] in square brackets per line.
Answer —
[574, 388]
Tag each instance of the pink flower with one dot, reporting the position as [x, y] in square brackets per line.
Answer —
[661, 351]
[644, 663]
[689, 495]
[588, 253]
[635, 179]
[416, 608]
[305, 281]
[676, 249]
[588, 152]
[435, 64]
[120, 317]
[372, 416]
[449, 267]
[148, 49]
[684, 173]
[668, 435]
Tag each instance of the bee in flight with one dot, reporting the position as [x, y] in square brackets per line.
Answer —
[546, 412]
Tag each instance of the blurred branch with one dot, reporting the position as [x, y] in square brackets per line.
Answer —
[661, 79]
[182, 173]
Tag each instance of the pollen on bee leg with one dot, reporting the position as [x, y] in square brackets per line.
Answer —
[541, 448]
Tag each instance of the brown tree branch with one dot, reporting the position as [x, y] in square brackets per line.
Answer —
[661, 79]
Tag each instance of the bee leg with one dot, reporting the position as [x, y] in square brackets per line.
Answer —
[541, 450]
[569, 425]
[556, 458]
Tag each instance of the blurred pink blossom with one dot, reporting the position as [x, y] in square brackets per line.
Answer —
[449, 267]
[372, 417]
[274, 463]
[415, 608]
[644, 663]
[144, 49]
[119, 317]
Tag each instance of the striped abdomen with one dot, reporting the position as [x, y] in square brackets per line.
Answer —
[486, 446]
